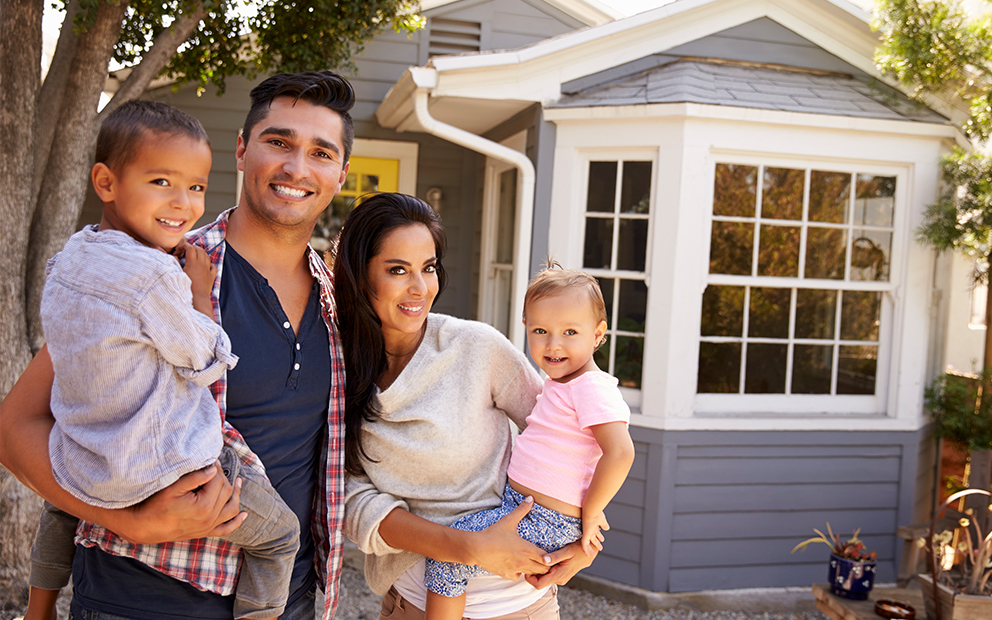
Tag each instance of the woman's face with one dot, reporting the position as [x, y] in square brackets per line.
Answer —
[403, 277]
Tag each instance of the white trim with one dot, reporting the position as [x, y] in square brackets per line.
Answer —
[406, 152]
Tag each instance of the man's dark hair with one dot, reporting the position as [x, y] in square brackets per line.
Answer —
[320, 88]
[123, 130]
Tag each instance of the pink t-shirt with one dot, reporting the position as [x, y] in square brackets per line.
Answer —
[557, 453]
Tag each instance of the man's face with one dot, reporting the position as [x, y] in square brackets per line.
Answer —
[293, 163]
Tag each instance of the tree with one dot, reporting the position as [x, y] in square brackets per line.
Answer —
[941, 51]
[48, 129]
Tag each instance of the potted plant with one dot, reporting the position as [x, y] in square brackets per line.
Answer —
[959, 585]
[851, 572]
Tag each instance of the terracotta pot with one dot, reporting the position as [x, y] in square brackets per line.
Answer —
[953, 606]
[850, 579]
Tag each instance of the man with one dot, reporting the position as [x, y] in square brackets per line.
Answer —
[284, 399]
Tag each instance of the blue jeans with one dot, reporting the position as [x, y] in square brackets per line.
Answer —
[302, 609]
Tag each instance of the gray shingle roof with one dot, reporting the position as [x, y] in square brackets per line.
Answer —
[749, 85]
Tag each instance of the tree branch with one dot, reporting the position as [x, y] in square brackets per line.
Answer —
[163, 49]
[50, 97]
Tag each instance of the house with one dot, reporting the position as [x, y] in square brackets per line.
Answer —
[745, 185]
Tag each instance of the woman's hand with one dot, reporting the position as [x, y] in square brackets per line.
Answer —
[565, 564]
[500, 550]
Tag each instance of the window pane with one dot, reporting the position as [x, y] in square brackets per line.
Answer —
[856, 368]
[778, 253]
[635, 193]
[632, 246]
[731, 248]
[811, 366]
[735, 190]
[859, 315]
[350, 182]
[606, 286]
[506, 215]
[370, 182]
[602, 186]
[875, 201]
[719, 368]
[765, 369]
[829, 194]
[602, 356]
[870, 252]
[599, 242]
[769, 316]
[825, 250]
[633, 305]
[815, 313]
[782, 194]
[723, 311]
[629, 356]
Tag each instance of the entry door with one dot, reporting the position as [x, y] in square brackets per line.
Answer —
[367, 175]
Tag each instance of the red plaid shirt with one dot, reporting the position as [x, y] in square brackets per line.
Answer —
[212, 564]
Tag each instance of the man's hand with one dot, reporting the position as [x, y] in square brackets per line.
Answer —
[565, 563]
[500, 550]
[198, 505]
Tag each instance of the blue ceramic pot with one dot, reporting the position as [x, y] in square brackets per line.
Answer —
[850, 579]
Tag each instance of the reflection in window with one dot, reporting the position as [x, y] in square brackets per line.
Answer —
[777, 316]
[615, 248]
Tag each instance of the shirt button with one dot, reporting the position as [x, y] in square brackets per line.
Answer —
[297, 346]
[296, 366]
[286, 324]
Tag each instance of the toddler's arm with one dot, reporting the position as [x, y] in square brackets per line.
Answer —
[611, 471]
[201, 273]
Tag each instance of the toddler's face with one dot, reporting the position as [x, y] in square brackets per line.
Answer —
[562, 332]
[158, 196]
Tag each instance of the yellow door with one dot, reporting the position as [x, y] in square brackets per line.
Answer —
[366, 175]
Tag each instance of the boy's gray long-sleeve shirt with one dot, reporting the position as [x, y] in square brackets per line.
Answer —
[132, 362]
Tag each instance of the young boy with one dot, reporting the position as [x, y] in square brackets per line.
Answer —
[134, 351]
[575, 452]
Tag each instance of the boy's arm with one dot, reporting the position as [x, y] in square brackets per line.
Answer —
[201, 273]
[611, 471]
[199, 504]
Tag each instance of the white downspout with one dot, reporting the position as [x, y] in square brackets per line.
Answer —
[523, 227]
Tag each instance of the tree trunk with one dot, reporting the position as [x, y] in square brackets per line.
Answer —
[66, 174]
[20, 77]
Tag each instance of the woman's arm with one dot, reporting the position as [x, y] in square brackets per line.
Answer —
[498, 549]
[197, 505]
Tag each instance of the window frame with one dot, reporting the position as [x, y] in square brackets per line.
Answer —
[575, 258]
[707, 404]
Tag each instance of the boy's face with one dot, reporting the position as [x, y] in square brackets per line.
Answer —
[562, 332]
[157, 196]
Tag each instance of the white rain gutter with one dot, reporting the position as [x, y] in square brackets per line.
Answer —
[523, 226]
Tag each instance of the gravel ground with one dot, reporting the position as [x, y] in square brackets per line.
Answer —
[358, 603]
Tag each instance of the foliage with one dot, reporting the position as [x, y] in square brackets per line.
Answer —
[853, 549]
[958, 410]
[936, 48]
[962, 555]
[962, 217]
[248, 38]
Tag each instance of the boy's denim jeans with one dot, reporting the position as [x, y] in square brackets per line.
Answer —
[270, 538]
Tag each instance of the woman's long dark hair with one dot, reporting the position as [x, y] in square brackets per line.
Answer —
[358, 324]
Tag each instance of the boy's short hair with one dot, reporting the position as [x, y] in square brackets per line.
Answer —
[320, 88]
[123, 130]
[553, 280]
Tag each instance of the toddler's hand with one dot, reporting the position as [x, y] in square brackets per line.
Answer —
[592, 538]
[201, 273]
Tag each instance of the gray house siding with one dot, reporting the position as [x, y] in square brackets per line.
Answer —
[720, 510]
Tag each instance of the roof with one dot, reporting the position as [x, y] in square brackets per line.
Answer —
[754, 85]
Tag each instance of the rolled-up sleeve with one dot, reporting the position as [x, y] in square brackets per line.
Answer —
[190, 341]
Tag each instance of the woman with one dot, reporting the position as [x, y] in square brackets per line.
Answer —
[428, 398]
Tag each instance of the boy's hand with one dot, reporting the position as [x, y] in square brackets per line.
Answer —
[591, 536]
[201, 273]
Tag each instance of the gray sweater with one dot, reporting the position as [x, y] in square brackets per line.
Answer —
[443, 441]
